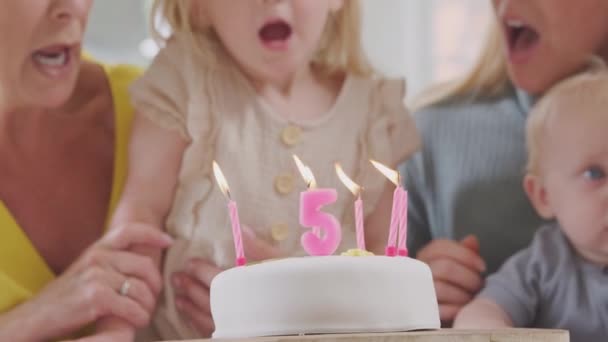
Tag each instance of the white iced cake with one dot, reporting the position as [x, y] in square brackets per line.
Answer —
[323, 295]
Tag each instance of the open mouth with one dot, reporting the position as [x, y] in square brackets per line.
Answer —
[57, 60]
[276, 32]
[520, 36]
[56, 56]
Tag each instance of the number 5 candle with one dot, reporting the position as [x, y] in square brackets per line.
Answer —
[326, 233]
[234, 215]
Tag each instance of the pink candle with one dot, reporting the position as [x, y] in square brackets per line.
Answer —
[234, 216]
[356, 190]
[402, 247]
[311, 202]
[391, 245]
[236, 233]
[359, 224]
[398, 219]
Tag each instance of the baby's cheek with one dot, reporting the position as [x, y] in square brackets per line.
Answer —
[582, 233]
[578, 229]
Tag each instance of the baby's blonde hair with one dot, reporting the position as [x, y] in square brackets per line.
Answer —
[340, 47]
[585, 89]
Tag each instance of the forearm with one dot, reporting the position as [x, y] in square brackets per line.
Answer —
[25, 323]
[482, 313]
[148, 195]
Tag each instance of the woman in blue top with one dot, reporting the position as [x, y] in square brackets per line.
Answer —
[468, 210]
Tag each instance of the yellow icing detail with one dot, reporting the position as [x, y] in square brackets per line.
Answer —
[251, 263]
[357, 253]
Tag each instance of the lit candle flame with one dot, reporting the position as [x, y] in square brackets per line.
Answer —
[221, 180]
[306, 173]
[389, 173]
[348, 182]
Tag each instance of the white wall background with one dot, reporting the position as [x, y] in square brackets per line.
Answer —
[396, 39]
[424, 40]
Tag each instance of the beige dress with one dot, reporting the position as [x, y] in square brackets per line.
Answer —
[222, 117]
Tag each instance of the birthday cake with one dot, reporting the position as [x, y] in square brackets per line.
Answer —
[324, 295]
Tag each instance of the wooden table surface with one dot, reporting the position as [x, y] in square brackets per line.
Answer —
[445, 335]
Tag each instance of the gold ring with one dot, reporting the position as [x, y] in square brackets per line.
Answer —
[124, 288]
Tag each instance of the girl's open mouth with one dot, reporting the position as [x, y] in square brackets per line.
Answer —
[275, 34]
[521, 40]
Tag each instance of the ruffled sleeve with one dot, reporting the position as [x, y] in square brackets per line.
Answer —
[393, 137]
[161, 94]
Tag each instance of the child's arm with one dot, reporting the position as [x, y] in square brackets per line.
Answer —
[512, 296]
[482, 313]
[155, 156]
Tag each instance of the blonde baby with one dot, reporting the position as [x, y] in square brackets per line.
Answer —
[559, 281]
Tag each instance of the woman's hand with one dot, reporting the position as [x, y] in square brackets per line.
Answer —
[192, 285]
[457, 268]
[91, 288]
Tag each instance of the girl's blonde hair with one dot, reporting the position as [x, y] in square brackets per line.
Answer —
[584, 90]
[340, 48]
[488, 77]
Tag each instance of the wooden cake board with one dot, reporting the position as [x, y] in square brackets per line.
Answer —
[444, 335]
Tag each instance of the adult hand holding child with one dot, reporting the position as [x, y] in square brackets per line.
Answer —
[92, 288]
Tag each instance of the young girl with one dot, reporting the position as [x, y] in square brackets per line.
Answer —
[249, 84]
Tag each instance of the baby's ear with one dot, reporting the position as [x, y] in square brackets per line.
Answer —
[537, 193]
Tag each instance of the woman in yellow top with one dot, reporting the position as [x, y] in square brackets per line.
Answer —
[64, 125]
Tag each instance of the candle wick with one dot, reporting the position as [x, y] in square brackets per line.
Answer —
[228, 194]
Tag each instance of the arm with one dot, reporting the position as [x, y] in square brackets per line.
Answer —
[19, 324]
[155, 156]
[482, 313]
[511, 296]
